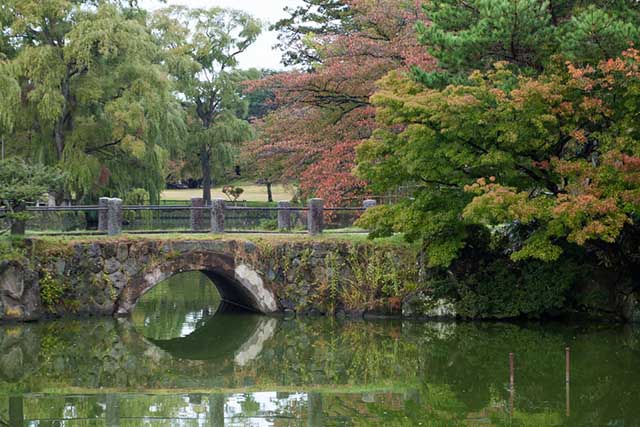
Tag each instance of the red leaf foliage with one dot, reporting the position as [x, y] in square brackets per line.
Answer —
[323, 114]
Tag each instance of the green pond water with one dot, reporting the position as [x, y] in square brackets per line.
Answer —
[179, 361]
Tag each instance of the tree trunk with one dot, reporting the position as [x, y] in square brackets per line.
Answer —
[205, 161]
[18, 226]
[63, 122]
[62, 125]
[269, 192]
[59, 137]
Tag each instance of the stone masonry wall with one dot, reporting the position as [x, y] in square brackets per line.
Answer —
[304, 276]
[106, 276]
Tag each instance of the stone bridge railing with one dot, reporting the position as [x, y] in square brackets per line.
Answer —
[203, 218]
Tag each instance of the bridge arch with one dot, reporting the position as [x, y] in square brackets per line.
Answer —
[239, 284]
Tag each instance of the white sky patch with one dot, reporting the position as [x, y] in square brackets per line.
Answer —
[261, 54]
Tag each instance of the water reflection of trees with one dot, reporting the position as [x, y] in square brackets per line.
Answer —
[177, 306]
[398, 372]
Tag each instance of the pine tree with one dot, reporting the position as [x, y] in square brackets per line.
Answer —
[312, 19]
[469, 35]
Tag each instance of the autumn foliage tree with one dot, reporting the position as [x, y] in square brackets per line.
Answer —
[540, 149]
[553, 154]
[324, 113]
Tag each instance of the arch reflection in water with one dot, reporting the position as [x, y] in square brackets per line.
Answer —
[177, 307]
[186, 317]
[242, 335]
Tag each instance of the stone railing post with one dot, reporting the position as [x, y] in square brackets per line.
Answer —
[114, 217]
[103, 214]
[284, 215]
[315, 216]
[198, 221]
[217, 215]
[369, 203]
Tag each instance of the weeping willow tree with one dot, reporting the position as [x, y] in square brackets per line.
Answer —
[202, 47]
[95, 99]
[10, 100]
[9, 87]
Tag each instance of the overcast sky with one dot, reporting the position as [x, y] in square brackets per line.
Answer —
[261, 54]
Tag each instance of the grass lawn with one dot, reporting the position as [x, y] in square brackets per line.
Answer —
[252, 193]
[357, 238]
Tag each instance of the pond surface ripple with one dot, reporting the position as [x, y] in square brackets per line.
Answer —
[193, 367]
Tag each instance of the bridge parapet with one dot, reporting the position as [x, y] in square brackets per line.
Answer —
[114, 218]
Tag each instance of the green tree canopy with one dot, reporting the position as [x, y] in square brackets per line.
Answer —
[95, 98]
[545, 161]
[539, 148]
[203, 46]
[312, 18]
[21, 183]
[468, 35]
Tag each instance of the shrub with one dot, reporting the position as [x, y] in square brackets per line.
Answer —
[485, 283]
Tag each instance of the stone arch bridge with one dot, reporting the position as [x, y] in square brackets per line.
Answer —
[108, 276]
[237, 280]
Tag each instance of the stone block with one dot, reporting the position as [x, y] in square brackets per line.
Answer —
[94, 250]
[109, 249]
[114, 217]
[103, 215]
[250, 247]
[369, 203]
[111, 265]
[61, 266]
[421, 304]
[185, 246]
[12, 282]
[131, 267]
[118, 280]
[122, 252]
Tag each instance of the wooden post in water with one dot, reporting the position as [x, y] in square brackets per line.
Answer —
[112, 411]
[315, 416]
[567, 379]
[216, 410]
[16, 411]
[512, 383]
